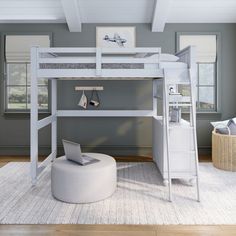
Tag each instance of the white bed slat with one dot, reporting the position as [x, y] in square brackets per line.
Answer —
[98, 62]
[66, 50]
[54, 113]
[105, 113]
[129, 60]
[34, 117]
[46, 161]
[89, 88]
[104, 50]
[62, 73]
[46, 121]
[65, 60]
[130, 50]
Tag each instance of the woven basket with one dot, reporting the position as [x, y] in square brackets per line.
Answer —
[224, 151]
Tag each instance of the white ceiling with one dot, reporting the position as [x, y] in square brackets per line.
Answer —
[118, 11]
[157, 12]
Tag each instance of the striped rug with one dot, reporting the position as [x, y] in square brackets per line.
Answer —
[140, 199]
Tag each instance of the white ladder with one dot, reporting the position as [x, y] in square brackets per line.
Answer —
[166, 106]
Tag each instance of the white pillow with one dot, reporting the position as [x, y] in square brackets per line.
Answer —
[222, 123]
[168, 57]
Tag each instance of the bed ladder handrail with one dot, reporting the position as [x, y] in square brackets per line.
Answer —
[166, 108]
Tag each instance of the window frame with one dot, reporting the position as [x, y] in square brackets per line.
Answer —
[207, 86]
[4, 108]
[26, 86]
[217, 86]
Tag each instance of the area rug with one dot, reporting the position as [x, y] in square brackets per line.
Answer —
[140, 198]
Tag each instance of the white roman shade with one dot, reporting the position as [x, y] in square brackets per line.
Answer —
[205, 44]
[18, 46]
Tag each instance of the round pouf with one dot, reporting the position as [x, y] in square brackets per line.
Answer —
[74, 183]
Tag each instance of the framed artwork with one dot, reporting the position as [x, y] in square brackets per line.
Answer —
[115, 37]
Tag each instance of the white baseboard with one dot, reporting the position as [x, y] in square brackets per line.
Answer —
[116, 150]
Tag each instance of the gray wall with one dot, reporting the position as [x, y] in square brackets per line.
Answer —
[119, 136]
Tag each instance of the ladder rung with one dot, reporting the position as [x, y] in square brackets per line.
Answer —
[180, 127]
[180, 151]
[179, 98]
[180, 105]
[173, 82]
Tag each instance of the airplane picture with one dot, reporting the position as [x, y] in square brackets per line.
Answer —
[116, 39]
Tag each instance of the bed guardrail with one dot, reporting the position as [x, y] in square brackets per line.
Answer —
[188, 56]
[72, 62]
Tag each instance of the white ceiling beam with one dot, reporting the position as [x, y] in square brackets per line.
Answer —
[72, 15]
[160, 14]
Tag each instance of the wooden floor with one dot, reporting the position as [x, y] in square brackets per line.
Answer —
[114, 230]
[6, 159]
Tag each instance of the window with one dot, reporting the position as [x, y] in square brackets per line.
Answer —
[206, 84]
[206, 97]
[17, 64]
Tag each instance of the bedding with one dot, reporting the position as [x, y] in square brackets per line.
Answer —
[168, 57]
[91, 66]
[164, 58]
[178, 65]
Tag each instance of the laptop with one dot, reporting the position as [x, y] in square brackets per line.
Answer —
[73, 153]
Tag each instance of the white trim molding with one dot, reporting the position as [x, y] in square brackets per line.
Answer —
[72, 15]
[160, 14]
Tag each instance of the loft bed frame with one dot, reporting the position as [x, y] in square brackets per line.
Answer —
[99, 64]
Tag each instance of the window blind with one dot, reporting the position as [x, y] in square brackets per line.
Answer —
[17, 47]
[205, 44]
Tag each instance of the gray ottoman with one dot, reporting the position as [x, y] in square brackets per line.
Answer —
[73, 183]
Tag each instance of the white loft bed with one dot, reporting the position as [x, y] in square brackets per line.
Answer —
[97, 64]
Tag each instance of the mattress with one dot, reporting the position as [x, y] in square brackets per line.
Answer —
[165, 61]
[177, 65]
[91, 66]
[173, 65]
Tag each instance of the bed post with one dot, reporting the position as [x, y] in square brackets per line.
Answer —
[154, 97]
[98, 61]
[54, 115]
[34, 117]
